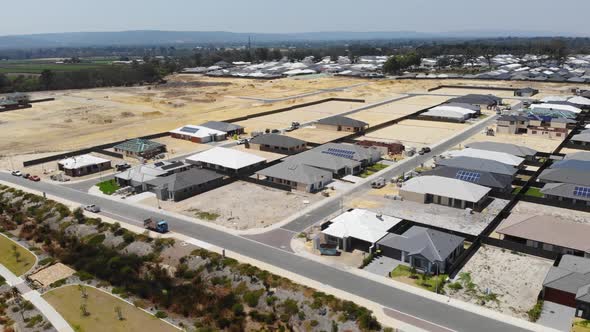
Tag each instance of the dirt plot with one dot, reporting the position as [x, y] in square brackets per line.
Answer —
[516, 279]
[567, 214]
[178, 147]
[313, 135]
[540, 144]
[417, 133]
[462, 92]
[51, 274]
[240, 205]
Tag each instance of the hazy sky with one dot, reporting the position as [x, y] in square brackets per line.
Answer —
[39, 16]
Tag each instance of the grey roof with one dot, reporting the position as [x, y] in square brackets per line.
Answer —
[528, 90]
[477, 99]
[339, 120]
[572, 275]
[277, 140]
[138, 145]
[582, 165]
[478, 164]
[221, 126]
[583, 294]
[322, 160]
[431, 244]
[513, 149]
[353, 151]
[565, 175]
[583, 137]
[563, 190]
[563, 120]
[582, 155]
[464, 105]
[486, 179]
[513, 118]
[296, 173]
[186, 179]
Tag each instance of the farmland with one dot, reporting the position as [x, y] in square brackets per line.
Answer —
[37, 66]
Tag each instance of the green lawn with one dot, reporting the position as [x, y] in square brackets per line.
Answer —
[581, 325]
[25, 261]
[372, 170]
[101, 308]
[108, 187]
[403, 273]
[532, 191]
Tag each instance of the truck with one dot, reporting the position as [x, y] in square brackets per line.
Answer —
[378, 183]
[157, 226]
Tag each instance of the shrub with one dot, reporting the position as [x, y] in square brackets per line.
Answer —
[83, 275]
[58, 283]
[45, 261]
[96, 239]
[455, 286]
[535, 312]
[252, 297]
[161, 315]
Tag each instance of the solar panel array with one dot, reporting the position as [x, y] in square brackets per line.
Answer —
[190, 130]
[340, 153]
[582, 192]
[468, 176]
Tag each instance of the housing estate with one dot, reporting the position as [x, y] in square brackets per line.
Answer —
[83, 165]
[228, 161]
[140, 148]
[342, 123]
[277, 143]
[568, 284]
[198, 134]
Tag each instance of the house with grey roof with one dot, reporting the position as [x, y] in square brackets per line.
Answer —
[366, 155]
[230, 128]
[472, 107]
[297, 176]
[341, 123]
[583, 138]
[428, 250]
[478, 164]
[137, 177]
[513, 149]
[497, 182]
[512, 124]
[185, 184]
[338, 166]
[568, 193]
[565, 175]
[140, 148]
[582, 155]
[277, 143]
[568, 284]
[480, 100]
[582, 165]
[445, 191]
[525, 92]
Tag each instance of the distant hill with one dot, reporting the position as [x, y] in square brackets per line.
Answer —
[156, 37]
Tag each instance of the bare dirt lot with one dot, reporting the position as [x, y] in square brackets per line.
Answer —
[240, 205]
[567, 214]
[540, 144]
[417, 133]
[514, 278]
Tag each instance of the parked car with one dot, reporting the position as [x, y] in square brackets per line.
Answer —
[122, 166]
[34, 178]
[26, 175]
[17, 173]
[92, 208]
[275, 131]
[242, 141]
[426, 149]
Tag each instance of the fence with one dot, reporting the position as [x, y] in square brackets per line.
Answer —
[110, 153]
[519, 247]
[475, 87]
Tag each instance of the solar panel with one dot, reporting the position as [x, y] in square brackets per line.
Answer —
[190, 130]
[340, 154]
[582, 192]
[468, 176]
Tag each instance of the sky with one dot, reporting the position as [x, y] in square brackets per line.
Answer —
[281, 16]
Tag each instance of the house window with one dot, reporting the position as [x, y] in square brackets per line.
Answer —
[531, 243]
[534, 132]
[558, 134]
[547, 247]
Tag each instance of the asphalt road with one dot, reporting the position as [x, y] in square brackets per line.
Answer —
[407, 303]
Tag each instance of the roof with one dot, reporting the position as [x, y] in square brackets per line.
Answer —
[455, 109]
[322, 160]
[477, 99]
[582, 155]
[581, 165]
[582, 137]
[431, 244]
[277, 140]
[446, 113]
[442, 186]
[339, 120]
[479, 164]
[565, 175]
[572, 275]
[197, 131]
[361, 224]
[513, 118]
[528, 90]
[547, 229]
[222, 126]
[186, 179]
[502, 157]
[478, 177]
[579, 100]
[297, 173]
[474, 108]
[350, 151]
[567, 190]
[81, 161]
[513, 149]
[560, 107]
[228, 158]
[138, 145]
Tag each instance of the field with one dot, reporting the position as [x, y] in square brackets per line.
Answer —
[37, 66]
[417, 133]
[101, 306]
[8, 258]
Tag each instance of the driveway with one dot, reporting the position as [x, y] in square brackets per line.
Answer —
[557, 316]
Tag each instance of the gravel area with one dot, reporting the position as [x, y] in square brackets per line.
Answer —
[571, 215]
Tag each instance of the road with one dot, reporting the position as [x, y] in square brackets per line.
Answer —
[401, 301]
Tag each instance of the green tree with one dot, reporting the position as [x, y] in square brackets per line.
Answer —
[392, 65]
[47, 79]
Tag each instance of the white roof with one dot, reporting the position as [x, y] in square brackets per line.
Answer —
[361, 224]
[445, 114]
[447, 187]
[81, 161]
[462, 110]
[558, 107]
[554, 98]
[501, 157]
[197, 131]
[579, 100]
[228, 158]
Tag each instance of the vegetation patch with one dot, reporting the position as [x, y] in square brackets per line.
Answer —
[372, 170]
[108, 187]
[14, 257]
[410, 275]
[204, 215]
[536, 311]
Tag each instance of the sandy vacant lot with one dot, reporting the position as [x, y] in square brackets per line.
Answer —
[516, 279]
[313, 135]
[532, 208]
[240, 205]
[538, 143]
[417, 133]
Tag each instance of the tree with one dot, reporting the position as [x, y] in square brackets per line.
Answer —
[83, 291]
[47, 79]
[16, 253]
[84, 310]
[392, 65]
[79, 215]
[119, 313]
[261, 54]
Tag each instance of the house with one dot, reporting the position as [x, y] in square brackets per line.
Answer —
[386, 148]
[578, 156]
[341, 123]
[444, 191]
[365, 155]
[83, 165]
[567, 192]
[548, 233]
[358, 229]
[556, 128]
[513, 149]
[487, 101]
[583, 138]
[297, 176]
[582, 165]
[337, 165]
[140, 148]
[229, 161]
[525, 92]
[427, 250]
[446, 114]
[502, 157]
[229, 128]
[497, 182]
[185, 184]
[277, 143]
[568, 284]
[565, 175]
[138, 176]
[475, 108]
[512, 124]
[198, 134]
[558, 107]
[478, 164]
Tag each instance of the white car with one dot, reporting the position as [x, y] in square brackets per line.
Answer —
[17, 173]
[92, 208]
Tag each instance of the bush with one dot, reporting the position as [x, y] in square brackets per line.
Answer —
[252, 297]
[96, 239]
[83, 275]
[455, 286]
[45, 261]
[58, 283]
[161, 315]
[535, 312]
